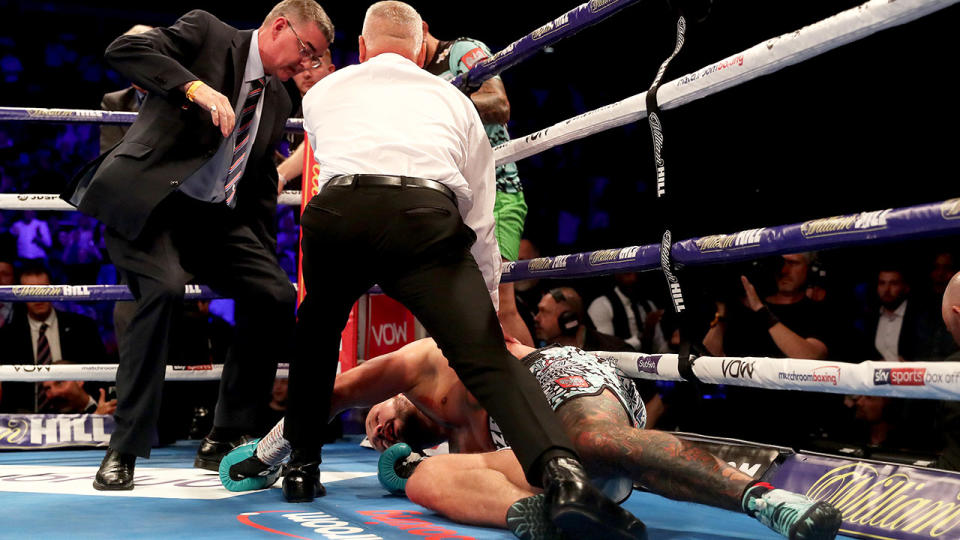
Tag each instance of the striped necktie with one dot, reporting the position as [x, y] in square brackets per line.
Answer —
[244, 121]
[43, 346]
[43, 359]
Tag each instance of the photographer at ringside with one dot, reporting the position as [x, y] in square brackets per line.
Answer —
[772, 317]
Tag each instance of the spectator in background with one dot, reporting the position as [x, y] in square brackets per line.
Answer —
[560, 319]
[33, 236]
[890, 426]
[41, 335]
[65, 397]
[893, 334]
[907, 327]
[784, 324]
[291, 167]
[943, 268]
[127, 100]
[81, 256]
[623, 312]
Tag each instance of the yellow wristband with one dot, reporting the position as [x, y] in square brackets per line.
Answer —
[193, 88]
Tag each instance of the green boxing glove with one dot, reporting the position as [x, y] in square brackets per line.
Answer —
[240, 470]
[395, 466]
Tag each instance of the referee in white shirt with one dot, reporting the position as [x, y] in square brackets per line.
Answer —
[406, 201]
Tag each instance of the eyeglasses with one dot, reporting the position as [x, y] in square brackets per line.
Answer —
[315, 61]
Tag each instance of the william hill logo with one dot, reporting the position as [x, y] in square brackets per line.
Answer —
[950, 209]
[893, 504]
[550, 27]
[544, 264]
[854, 223]
[721, 242]
[51, 290]
[599, 5]
[607, 256]
[62, 113]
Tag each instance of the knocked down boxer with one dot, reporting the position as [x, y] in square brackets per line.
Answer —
[418, 400]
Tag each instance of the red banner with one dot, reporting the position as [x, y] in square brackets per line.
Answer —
[389, 325]
[311, 186]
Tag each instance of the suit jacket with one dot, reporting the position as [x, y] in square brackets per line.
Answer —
[173, 137]
[923, 336]
[79, 339]
[79, 343]
[122, 100]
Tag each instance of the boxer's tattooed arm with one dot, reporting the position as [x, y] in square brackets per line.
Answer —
[664, 464]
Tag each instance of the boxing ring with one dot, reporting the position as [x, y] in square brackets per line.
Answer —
[171, 497]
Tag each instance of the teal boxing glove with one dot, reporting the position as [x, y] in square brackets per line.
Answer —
[395, 466]
[240, 470]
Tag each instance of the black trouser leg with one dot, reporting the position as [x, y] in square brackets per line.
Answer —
[452, 302]
[238, 265]
[332, 289]
[157, 281]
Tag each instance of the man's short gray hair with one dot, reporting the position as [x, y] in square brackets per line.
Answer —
[303, 11]
[405, 20]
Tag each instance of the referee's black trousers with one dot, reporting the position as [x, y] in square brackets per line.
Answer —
[414, 244]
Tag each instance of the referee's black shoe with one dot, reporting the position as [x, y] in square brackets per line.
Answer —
[116, 472]
[211, 452]
[580, 510]
[301, 482]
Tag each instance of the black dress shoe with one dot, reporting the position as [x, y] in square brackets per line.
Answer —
[580, 510]
[302, 482]
[211, 452]
[116, 472]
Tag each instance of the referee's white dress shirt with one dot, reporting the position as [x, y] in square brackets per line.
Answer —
[388, 116]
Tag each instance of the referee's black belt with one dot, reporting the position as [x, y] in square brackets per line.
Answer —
[391, 180]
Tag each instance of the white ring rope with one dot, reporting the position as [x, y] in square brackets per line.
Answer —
[52, 201]
[761, 59]
[917, 380]
[108, 372]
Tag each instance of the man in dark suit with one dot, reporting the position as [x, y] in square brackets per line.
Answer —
[905, 328]
[185, 194]
[38, 334]
[130, 99]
